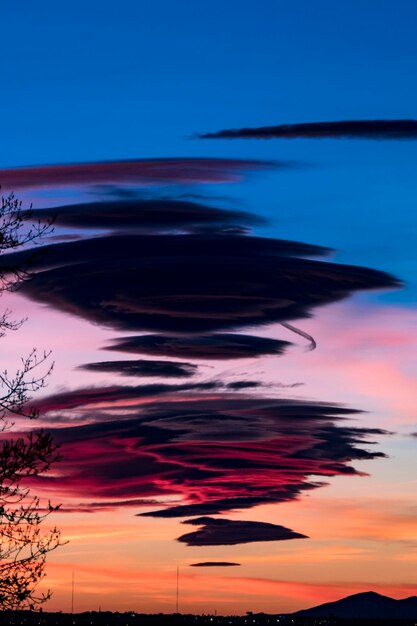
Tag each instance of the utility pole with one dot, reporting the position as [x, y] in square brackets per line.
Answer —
[72, 593]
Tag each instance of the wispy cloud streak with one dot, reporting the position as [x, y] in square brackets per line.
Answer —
[348, 129]
[137, 172]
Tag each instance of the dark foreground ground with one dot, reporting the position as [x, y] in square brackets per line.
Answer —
[27, 618]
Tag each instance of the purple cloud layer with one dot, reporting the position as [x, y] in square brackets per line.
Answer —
[138, 171]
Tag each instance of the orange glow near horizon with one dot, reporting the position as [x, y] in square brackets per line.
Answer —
[361, 529]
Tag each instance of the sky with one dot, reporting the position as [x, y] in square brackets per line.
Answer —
[191, 272]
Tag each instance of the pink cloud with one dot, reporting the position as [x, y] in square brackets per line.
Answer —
[138, 171]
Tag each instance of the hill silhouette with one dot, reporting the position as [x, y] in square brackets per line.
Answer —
[366, 605]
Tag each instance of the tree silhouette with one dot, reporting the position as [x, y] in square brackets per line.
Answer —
[23, 543]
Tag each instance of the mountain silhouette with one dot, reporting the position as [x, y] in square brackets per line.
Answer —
[366, 605]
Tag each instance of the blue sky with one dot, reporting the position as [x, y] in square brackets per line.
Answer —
[87, 81]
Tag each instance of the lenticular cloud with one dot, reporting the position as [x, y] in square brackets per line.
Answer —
[215, 451]
[135, 172]
[221, 532]
[189, 282]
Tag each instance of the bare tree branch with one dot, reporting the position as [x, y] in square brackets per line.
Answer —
[24, 546]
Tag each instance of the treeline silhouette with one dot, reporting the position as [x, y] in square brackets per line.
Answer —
[107, 618]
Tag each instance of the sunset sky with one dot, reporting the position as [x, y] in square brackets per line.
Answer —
[229, 294]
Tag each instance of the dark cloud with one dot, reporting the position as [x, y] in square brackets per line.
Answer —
[215, 564]
[139, 171]
[141, 367]
[142, 246]
[219, 346]
[114, 394]
[215, 452]
[222, 532]
[62, 237]
[93, 507]
[243, 384]
[157, 215]
[283, 493]
[349, 129]
[189, 283]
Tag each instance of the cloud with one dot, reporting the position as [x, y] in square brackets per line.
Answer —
[189, 284]
[211, 445]
[142, 246]
[243, 384]
[219, 346]
[141, 367]
[282, 493]
[349, 129]
[114, 394]
[155, 214]
[214, 564]
[93, 507]
[213, 451]
[222, 532]
[137, 171]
